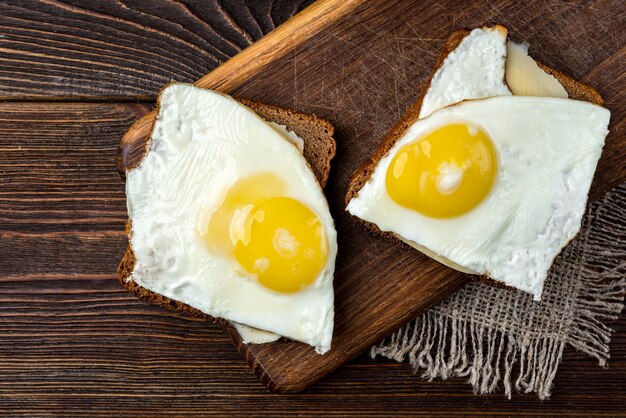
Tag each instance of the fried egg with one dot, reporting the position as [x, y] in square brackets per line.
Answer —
[497, 186]
[228, 218]
[483, 189]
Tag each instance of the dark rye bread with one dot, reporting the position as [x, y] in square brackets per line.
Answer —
[575, 89]
[319, 150]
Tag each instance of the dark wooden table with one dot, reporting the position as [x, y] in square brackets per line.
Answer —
[73, 76]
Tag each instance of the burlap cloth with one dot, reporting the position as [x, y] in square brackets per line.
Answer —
[501, 339]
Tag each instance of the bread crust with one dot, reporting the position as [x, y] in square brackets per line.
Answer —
[319, 150]
[575, 90]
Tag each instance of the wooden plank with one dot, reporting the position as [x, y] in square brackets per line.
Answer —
[112, 49]
[62, 205]
[74, 343]
[362, 71]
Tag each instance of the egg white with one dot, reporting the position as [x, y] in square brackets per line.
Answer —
[203, 142]
[473, 70]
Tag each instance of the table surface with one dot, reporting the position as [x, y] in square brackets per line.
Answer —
[73, 76]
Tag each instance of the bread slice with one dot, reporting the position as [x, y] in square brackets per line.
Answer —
[319, 150]
[575, 90]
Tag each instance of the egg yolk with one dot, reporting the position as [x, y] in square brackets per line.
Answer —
[444, 174]
[277, 239]
[282, 242]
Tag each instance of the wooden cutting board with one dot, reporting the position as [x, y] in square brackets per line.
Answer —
[360, 64]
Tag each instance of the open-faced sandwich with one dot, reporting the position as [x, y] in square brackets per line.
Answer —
[489, 171]
[227, 218]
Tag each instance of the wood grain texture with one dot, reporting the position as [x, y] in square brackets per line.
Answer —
[378, 286]
[127, 49]
[74, 343]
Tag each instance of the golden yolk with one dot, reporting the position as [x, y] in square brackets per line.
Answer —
[444, 174]
[283, 243]
[277, 239]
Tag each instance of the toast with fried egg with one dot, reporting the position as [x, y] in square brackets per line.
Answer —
[318, 149]
[571, 89]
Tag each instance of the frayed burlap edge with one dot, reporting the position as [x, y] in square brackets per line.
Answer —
[443, 343]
